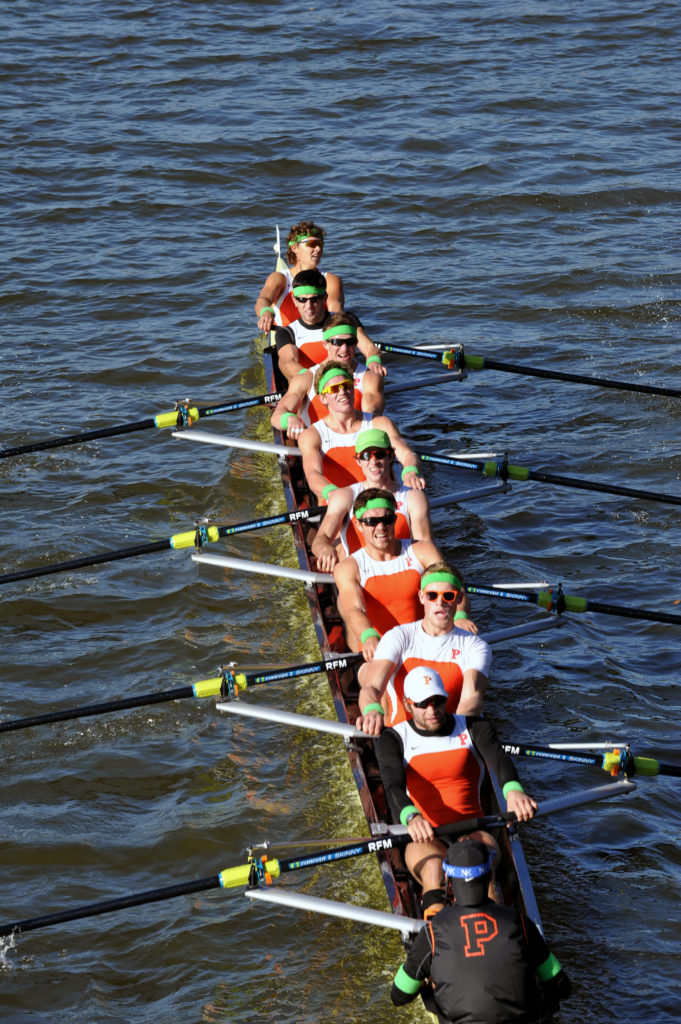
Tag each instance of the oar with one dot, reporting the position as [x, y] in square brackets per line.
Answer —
[455, 358]
[183, 416]
[560, 602]
[505, 471]
[202, 534]
[619, 759]
[229, 683]
[262, 870]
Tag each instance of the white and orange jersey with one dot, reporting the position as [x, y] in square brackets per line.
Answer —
[451, 654]
[390, 588]
[285, 309]
[308, 341]
[338, 452]
[314, 409]
[351, 536]
[444, 774]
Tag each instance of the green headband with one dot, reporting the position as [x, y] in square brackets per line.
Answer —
[304, 238]
[374, 503]
[330, 374]
[307, 289]
[333, 332]
[441, 577]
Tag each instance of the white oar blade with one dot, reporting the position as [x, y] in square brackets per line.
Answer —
[264, 568]
[603, 745]
[204, 437]
[348, 911]
[266, 714]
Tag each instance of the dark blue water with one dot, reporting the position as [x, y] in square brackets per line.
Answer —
[500, 176]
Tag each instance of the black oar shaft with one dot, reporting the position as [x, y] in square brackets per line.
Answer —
[81, 563]
[88, 710]
[588, 485]
[108, 906]
[87, 435]
[473, 363]
[566, 602]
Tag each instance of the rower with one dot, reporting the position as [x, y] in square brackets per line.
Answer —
[441, 640]
[486, 962]
[378, 585]
[300, 343]
[432, 766]
[275, 305]
[338, 535]
[301, 405]
[328, 446]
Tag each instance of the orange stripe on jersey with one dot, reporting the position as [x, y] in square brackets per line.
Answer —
[311, 353]
[393, 599]
[445, 785]
[452, 677]
[288, 311]
[339, 466]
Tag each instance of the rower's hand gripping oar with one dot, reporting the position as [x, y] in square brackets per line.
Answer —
[225, 686]
[455, 358]
[184, 414]
[260, 870]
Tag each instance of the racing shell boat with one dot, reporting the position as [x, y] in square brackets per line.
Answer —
[512, 874]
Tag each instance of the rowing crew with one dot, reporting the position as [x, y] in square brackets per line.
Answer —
[426, 669]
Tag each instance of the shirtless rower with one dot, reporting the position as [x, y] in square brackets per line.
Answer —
[437, 641]
[432, 769]
[304, 249]
[378, 585]
[328, 446]
[338, 534]
[301, 405]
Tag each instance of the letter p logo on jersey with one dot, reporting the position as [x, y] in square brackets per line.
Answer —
[479, 929]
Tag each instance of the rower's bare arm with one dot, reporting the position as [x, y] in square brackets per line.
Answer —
[427, 553]
[269, 294]
[374, 678]
[404, 454]
[323, 546]
[419, 515]
[310, 445]
[290, 403]
[351, 607]
[467, 624]
[335, 299]
[373, 399]
[473, 690]
[371, 353]
[289, 361]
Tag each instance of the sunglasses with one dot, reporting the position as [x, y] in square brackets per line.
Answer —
[435, 702]
[349, 340]
[449, 596]
[343, 385]
[313, 243]
[302, 299]
[372, 521]
[376, 453]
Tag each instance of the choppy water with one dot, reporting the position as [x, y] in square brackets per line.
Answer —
[501, 175]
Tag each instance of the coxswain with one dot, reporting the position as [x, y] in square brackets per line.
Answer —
[338, 535]
[378, 585]
[304, 249]
[301, 405]
[441, 640]
[486, 962]
[328, 446]
[433, 765]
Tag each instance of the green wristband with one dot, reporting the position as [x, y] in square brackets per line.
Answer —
[510, 787]
[285, 417]
[375, 359]
[409, 469]
[406, 811]
[369, 631]
[326, 491]
[267, 309]
[459, 615]
[373, 707]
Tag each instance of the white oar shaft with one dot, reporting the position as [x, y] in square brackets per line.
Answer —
[204, 437]
[348, 911]
[469, 495]
[264, 568]
[268, 714]
[524, 629]
[443, 377]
